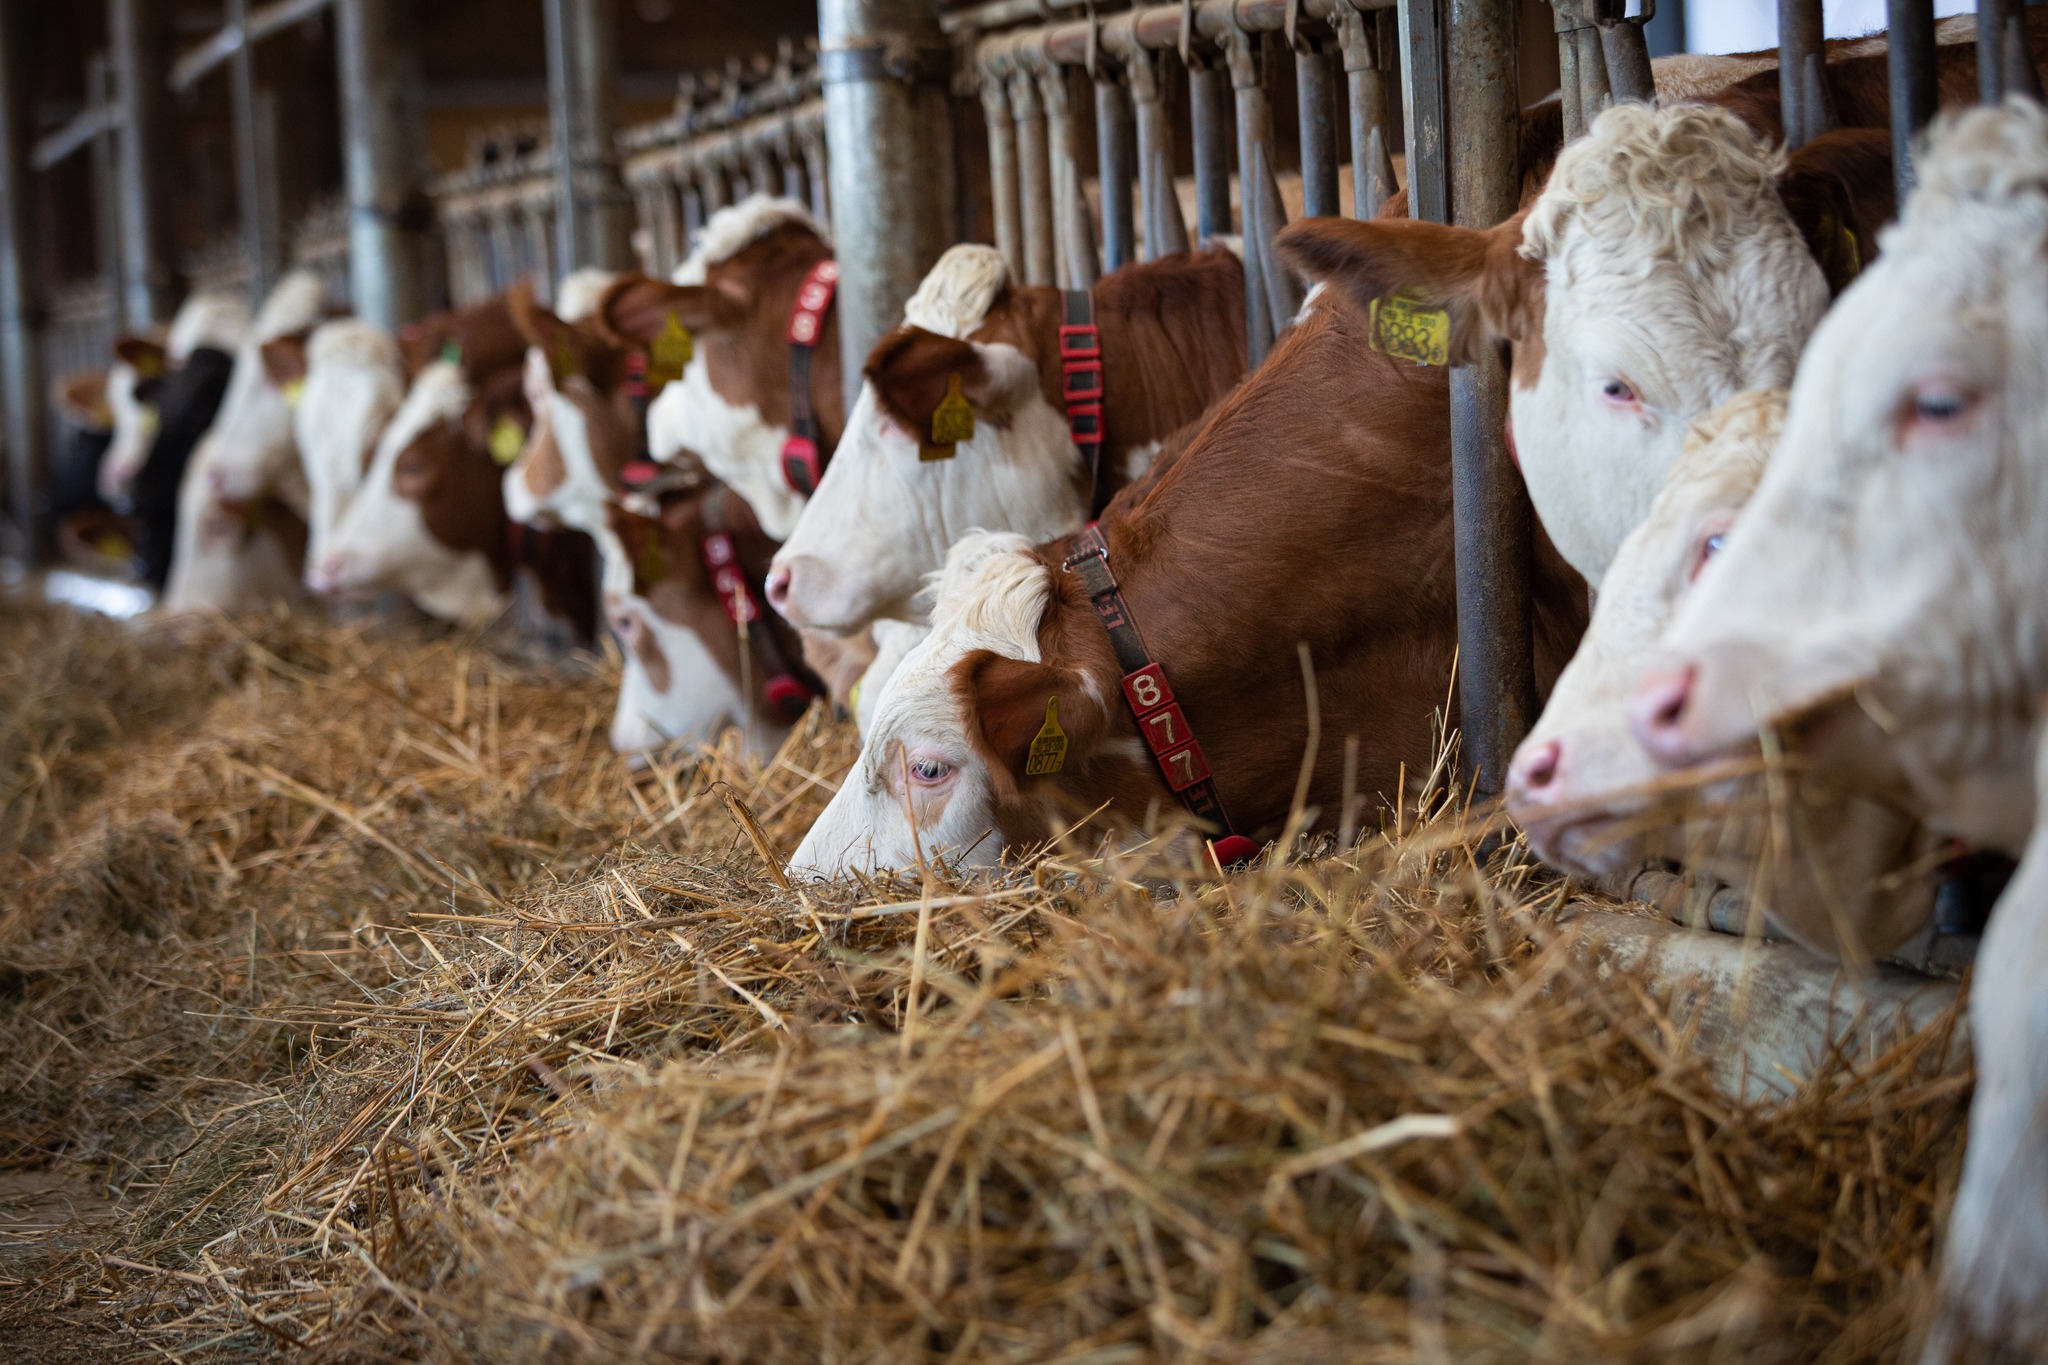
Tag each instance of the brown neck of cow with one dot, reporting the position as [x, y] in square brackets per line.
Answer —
[685, 596]
[1313, 506]
[751, 365]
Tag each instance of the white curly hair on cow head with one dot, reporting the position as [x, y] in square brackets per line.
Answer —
[1673, 279]
[921, 788]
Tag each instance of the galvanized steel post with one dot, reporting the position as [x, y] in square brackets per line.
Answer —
[888, 129]
[1626, 51]
[1159, 203]
[106, 178]
[1496, 664]
[1315, 105]
[1210, 119]
[2005, 59]
[1244, 54]
[1034, 177]
[1074, 259]
[384, 141]
[1002, 171]
[1422, 101]
[21, 312]
[255, 175]
[138, 40]
[1114, 171]
[593, 216]
[1372, 163]
[1801, 39]
[1909, 58]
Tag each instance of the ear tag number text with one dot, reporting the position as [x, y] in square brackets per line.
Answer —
[1049, 747]
[1403, 328]
[952, 423]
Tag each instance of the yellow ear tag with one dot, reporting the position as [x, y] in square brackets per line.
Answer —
[1049, 746]
[952, 423]
[507, 440]
[566, 364]
[669, 354]
[651, 565]
[1403, 328]
[147, 419]
[148, 366]
[293, 392]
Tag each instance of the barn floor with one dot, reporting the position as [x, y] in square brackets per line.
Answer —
[357, 1004]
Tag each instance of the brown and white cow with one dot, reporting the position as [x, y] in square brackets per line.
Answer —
[343, 382]
[1884, 583]
[1172, 335]
[1313, 505]
[210, 319]
[1668, 265]
[1842, 873]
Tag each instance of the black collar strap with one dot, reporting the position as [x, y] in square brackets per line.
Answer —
[1150, 699]
[1081, 384]
[803, 451]
[787, 694]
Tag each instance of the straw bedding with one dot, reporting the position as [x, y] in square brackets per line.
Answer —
[400, 1020]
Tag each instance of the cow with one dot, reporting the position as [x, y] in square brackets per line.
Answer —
[894, 499]
[1312, 507]
[1668, 265]
[697, 556]
[210, 320]
[1841, 873]
[1878, 607]
[343, 383]
[725, 324]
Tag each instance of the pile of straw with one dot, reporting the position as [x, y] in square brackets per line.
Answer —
[421, 1028]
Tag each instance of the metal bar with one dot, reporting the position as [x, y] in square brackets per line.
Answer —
[1800, 35]
[21, 312]
[1208, 112]
[1568, 80]
[2005, 62]
[106, 183]
[593, 217]
[1315, 100]
[138, 40]
[1909, 59]
[1626, 51]
[1595, 91]
[384, 144]
[222, 47]
[815, 166]
[85, 125]
[1422, 100]
[1155, 153]
[1034, 177]
[255, 182]
[1372, 164]
[1245, 56]
[889, 132]
[1283, 291]
[1496, 660]
[1114, 169]
[1054, 98]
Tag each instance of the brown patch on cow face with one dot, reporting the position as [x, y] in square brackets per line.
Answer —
[1008, 701]
[647, 649]
[146, 357]
[912, 369]
[571, 348]
[608, 422]
[84, 400]
[449, 472]
[284, 359]
[542, 468]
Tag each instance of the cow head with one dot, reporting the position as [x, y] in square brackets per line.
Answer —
[583, 424]
[682, 677]
[133, 382]
[1889, 566]
[1657, 276]
[351, 384]
[940, 773]
[732, 300]
[887, 511]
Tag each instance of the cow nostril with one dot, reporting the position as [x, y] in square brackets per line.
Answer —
[1538, 768]
[778, 588]
[1656, 711]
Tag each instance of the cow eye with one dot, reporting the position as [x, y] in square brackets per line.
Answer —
[1941, 404]
[1710, 546]
[1619, 393]
[931, 771]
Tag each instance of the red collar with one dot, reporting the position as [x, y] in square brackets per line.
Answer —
[787, 693]
[1081, 385]
[803, 453]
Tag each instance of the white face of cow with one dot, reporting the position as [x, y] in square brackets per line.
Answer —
[252, 450]
[920, 785]
[383, 540]
[135, 426]
[1580, 786]
[740, 447]
[672, 689]
[1894, 552]
[353, 386]
[883, 518]
[1673, 280]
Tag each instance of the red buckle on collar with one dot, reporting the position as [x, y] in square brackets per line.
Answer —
[1079, 339]
[722, 559]
[801, 467]
[813, 298]
[787, 697]
[638, 473]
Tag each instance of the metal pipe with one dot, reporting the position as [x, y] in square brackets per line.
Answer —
[245, 32]
[255, 183]
[1800, 35]
[1245, 57]
[593, 218]
[1568, 79]
[1372, 163]
[1283, 291]
[21, 312]
[106, 182]
[1034, 177]
[1114, 169]
[1596, 92]
[1909, 60]
[815, 164]
[1626, 52]
[2005, 60]
[1208, 112]
[1055, 97]
[1496, 660]
[1315, 100]
[385, 146]
[1422, 100]
[1155, 157]
[888, 128]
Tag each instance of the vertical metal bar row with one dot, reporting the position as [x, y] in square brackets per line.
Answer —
[2005, 59]
[1074, 264]
[1034, 177]
[384, 142]
[1496, 678]
[1159, 201]
[1372, 164]
[1002, 172]
[1315, 100]
[1114, 171]
[1422, 101]
[1244, 55]
[138, 33]
[1909, 59]
[1210, 117]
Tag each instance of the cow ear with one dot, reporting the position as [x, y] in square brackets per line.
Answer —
[636, 309]
[1838, 190]
[912, 370]
[420, 343]
[284, 359]
[1012, 704]
[570, 349]
[147, 358]
[84, 399]
[1479, 277]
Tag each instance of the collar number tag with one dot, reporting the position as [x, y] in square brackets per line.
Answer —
[952, 423]
[507, 440]
[1405, 329]
[1049, 747]
[669, 354]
